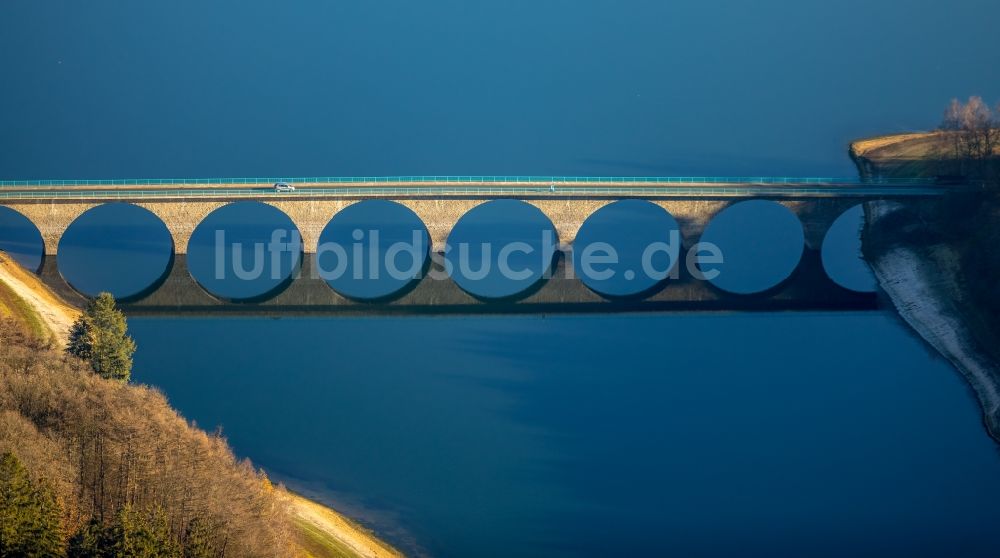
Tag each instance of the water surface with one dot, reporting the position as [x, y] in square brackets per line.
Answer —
[245, 251]
[694, 434]
[119, 248]
[713, 435]
[20, 238]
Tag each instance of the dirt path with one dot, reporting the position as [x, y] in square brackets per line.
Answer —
[57, 315]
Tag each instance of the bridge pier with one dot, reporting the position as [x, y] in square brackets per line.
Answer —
[808, 288]
[50, 276]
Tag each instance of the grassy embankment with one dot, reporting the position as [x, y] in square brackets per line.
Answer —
[15, 308]
[324, 533]
[24, 299]
[317, 531]
[909, 155]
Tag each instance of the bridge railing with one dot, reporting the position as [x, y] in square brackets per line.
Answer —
[776, 191]
[768, 180]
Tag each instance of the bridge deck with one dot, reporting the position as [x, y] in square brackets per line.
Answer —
[653, 187]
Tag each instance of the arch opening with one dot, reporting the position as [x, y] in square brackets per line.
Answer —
[21, 239]
[841, 253]
[760, 243]
[117, 247]
[501, 250]
[245, 251]
[627, 249]
[374, 250]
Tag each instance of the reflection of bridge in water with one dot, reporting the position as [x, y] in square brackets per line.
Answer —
[182, 205]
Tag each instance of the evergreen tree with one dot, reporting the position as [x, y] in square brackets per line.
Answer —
[15, 506]
[101, 337]
[199, 540]
[166, 544]
[29, 514]
[87, 542]
[81, 343]
[46, 532]
[134, 534]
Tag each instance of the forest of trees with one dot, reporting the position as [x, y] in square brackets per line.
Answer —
[91, 466]
[974, 132]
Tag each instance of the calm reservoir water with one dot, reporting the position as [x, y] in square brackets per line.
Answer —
[782, 434]
[695, 435]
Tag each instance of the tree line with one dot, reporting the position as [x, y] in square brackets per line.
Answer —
[94, 467]
[974, 134]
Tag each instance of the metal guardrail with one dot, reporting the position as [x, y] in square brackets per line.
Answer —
[474, 191]
[770, 180]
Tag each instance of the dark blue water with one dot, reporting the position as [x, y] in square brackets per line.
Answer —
[245, 251]
[100, 89]
[118, 248]
[763, 434]
[626, 248]
[693, 435]
[20, 238]
[841, 252]
[373, 250]
[761, 243]
[500, 249]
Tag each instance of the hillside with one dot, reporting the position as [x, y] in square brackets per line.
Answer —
[910, 155]
[921, 154]
[25, 299]
[104, 447]
[937, 259]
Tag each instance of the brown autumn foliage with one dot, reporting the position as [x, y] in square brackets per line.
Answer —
[974, 133]
[104, 445]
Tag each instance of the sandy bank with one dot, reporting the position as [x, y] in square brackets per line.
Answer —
[56, 315]
[325, 532]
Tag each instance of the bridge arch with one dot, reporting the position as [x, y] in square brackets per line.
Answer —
[147, 259]
[742, 242]
[182, 218]
[261, 276]
[310, 212]
[19, 220]
[841, 254]
[52, 218]
[440, 215]
[506, 224]
[311, 216]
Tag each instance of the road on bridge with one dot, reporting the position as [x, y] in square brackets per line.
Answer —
[468, 186]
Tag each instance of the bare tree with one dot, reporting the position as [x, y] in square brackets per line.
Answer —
[974, 131]
[977, 120]
[952, 119]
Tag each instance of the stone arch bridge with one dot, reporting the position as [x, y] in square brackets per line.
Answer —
[439, 205]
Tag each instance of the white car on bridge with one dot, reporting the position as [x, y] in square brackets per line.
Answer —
[283, 187]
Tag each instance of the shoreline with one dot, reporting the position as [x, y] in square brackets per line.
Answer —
[321, 531]
[924, 281]
[47, 309]
[924, 288]
[324, 531]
